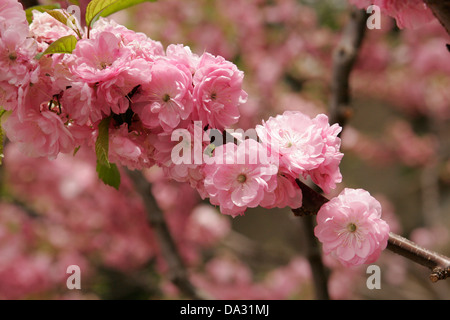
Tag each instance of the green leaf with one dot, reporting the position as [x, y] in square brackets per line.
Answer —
[29, 11]
[63, 45]
[102, 142]
[107, 172]
[104, 8]
[110, 175]
[2, 113]
[58, 15]
[75, 2]
[75, 151]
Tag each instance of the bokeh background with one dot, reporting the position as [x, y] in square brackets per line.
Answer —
[56, 213]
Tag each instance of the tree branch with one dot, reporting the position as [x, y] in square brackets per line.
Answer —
[441, 10]
[344, 58]
[437, 263]
[176, 269]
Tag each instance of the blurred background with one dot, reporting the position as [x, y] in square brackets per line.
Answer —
[56, 213]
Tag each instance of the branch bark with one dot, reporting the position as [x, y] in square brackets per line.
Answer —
[176, 269]
[437, 263]
[441, 10]
[344, 59]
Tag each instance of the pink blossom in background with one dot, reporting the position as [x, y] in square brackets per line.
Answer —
[410, 148]
[206, 225]
[236, 185]
[351, 229]
[408, 13]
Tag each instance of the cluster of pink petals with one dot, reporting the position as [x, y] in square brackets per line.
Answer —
[217, 91]
[39, 134]
[113, 72]
[306, 147]
[291, 146]
[408, 13]
[17, 68]
[351, 229]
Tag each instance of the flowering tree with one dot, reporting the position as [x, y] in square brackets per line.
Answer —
[116, 141]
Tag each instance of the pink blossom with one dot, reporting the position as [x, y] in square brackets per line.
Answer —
[327, 174]
[167, 98]
[16, 49]
[129, 148]
[16, 57]
[80, 103]
[141, 45]
[99, 59]
[8, 95]
[351, 229]
[238, 183]
[305, 146]
[12, 15]
[286, 194]
[206, 225]
[411, 149]
[296, 138]
[39, 134]
[46, 29]
[106, 64]
[183, 55]
[218, 91]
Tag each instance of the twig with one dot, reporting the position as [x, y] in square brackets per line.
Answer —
[176, 269]
[314, 256]
[344, 58]
[437, 263]
[441, 10]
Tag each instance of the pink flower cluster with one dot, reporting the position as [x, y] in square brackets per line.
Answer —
[263, 173]
[351, 229]
[408, 13]
[149, 93]
[57, 102]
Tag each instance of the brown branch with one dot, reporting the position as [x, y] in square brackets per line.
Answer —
[437, 263]
[344, 59]
[176, 269]
[314, 256]
[441, 10]
[29, 3]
